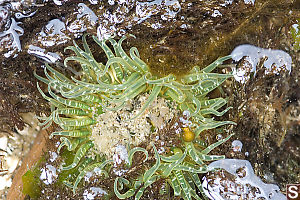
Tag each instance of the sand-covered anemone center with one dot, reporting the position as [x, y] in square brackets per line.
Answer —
[115, 128]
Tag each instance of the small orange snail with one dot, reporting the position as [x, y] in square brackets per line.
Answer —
[187, 134]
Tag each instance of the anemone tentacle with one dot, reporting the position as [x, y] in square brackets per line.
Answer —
[78, 103]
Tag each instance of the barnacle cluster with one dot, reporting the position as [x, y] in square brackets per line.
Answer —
[124, 90]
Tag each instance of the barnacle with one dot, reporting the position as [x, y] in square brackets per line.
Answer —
[79, 106]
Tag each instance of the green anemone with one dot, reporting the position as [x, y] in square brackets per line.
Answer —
[78, 106]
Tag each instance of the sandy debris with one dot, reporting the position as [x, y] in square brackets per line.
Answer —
[115, 127]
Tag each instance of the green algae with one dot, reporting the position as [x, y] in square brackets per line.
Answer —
[31, 181]
[295, 33]
[68, 157]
